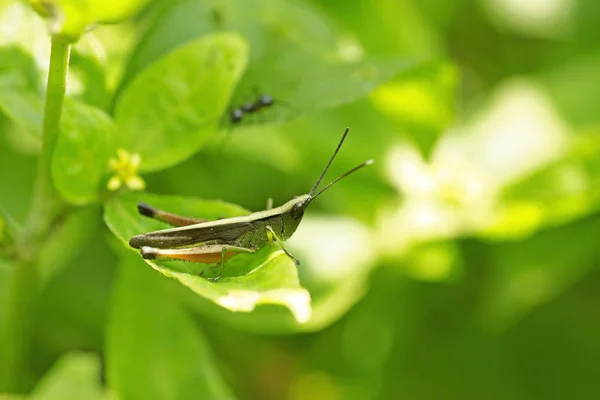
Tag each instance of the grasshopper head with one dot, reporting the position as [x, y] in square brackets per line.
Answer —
[292, 213]
[293, 210]
[298, 205]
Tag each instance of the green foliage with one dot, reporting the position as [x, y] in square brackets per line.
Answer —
[465, 257]
[173, 107]
[147, 328]
[86, 142]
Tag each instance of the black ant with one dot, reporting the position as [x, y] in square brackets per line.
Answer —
[263, 101]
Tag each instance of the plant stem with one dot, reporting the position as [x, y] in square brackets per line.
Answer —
[46, 205]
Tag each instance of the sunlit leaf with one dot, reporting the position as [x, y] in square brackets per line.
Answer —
[265, 277]
[148, 328]
[80, 160]
[74, 376]
[173, 106]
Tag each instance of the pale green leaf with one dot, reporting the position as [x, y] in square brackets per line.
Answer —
[153, 350]
[173, 106]
[80, 159]
[265, 277]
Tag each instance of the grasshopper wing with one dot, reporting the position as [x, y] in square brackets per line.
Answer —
[214, 231]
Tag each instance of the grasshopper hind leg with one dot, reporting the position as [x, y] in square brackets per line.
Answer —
[167, 217]
[216, 254]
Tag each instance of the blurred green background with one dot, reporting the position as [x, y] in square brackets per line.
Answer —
[462, 265]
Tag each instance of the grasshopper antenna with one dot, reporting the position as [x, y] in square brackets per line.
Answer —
[314, 188]
[368, 162]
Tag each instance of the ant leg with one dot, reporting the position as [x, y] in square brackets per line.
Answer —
[273, 236]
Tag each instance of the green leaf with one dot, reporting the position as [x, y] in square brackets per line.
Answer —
[82, 151]
[147, 328]
[260, 22]
[73, 376]
[265, 277]
[71, 18]
[305, 84]
[292, 39]
[173, 106]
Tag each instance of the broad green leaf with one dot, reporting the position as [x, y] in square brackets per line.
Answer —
[260, 22]
[534, 271]
[71, 18]
[305, 84]
[286, 37]
[82, 151]
[265, 277]
[171, 108]
[153, 349]
[73, 376]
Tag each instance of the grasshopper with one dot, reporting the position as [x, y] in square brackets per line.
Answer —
[214, 242]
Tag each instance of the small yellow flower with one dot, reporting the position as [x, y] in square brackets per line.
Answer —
[125, 166]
